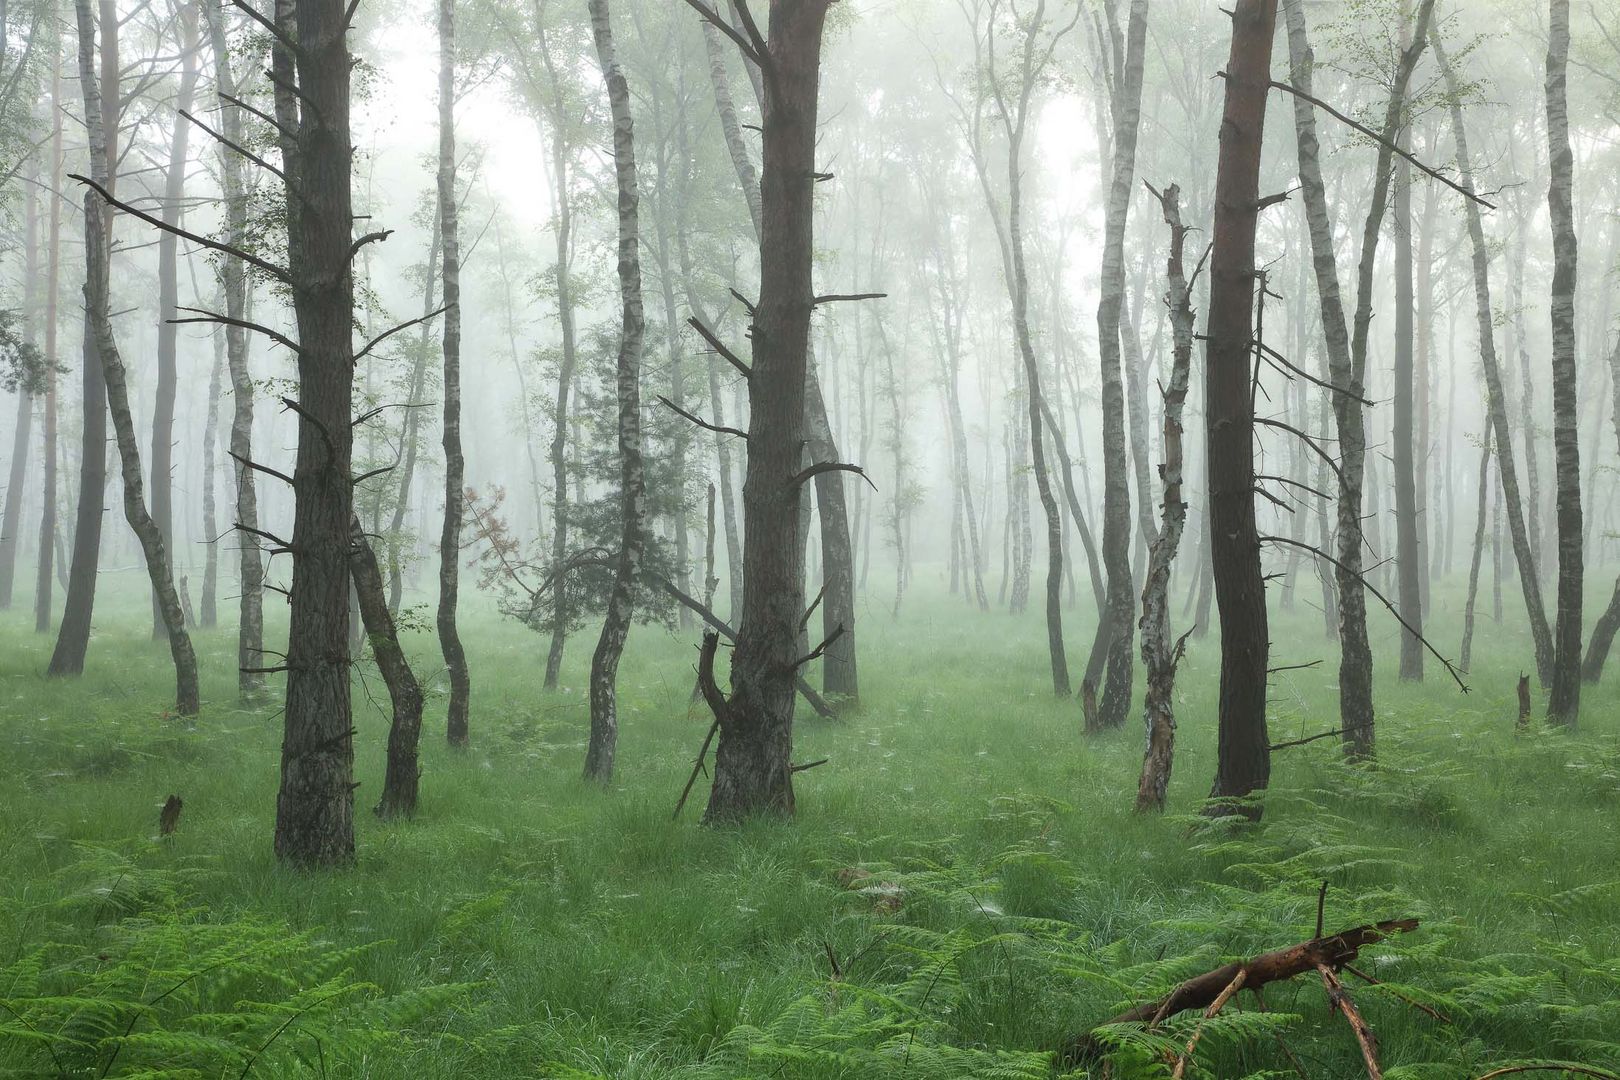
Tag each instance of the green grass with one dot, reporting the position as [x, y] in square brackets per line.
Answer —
[596, 934]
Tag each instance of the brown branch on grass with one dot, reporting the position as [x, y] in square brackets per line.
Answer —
[1340, 999]
[1209, 1014]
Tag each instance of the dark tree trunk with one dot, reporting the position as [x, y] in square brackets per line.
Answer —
[1408, 557]
[753, 773]
[455, 657]
[403, 771]
[174, 189]
[1465, 657]
[315, 805]
[1564, 703]
[1243, 763]
[73, 635]
[632, 480]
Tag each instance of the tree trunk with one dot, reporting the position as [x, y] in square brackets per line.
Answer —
[409, 435]
[73, 635]
[752, 770]
[562, 612]
[210, 589]
[1496, 396]
[22, 430]
[233, 278]
[403, 770]
[1465, 658]
[48, 538]
[1408, 558]
[96, 287]
[1243, 754]
[1117, 624]
[455, 657]
[1564, 703]
[632, 480]
[315, 804]
[174, 189]
[1160, 654]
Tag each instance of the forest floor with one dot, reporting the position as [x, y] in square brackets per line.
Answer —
[529, 924]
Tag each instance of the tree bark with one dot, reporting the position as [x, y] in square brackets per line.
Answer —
[210, 589]
[753, 773]
[1160, 654]
[455, 657]
[233, 278]
[315, 804]
[403, 770]
[1465, 657]
[174, 189]
[1117, 625]
[1408, 557]
[1564, 703]
[1243, 748]
[632, 480]
[96, 286]
[413, 424]
[1496, 396]
[47, 522]
[78, 608]
[22, 430]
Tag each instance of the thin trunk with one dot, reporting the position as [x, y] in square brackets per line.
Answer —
[409, 437]
[22, 430]
[210, 589]
[455, 657]
[1496, 397]
[233, 278]
[174, 189]
[96, 287]
[1465, 658]
[48, 535]
[632, 480]
[1160, 653]
[1408, 565]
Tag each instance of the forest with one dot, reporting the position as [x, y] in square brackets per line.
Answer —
[1038, 539]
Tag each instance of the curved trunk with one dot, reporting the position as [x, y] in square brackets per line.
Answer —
[632, 481]
[403, 770]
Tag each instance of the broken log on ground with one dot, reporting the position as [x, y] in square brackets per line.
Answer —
[1332, 952]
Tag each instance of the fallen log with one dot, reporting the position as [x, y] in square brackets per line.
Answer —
[1200, 992]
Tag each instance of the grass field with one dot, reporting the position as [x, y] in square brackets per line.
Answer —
[528, 924]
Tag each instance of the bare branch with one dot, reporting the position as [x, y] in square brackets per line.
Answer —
[386, 334]
[719, 429]
[720, 23]
[719, 346]
[798, 478]
[225, 320]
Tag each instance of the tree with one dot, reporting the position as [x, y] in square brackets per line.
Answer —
[99, 322]
[47, 518]
[234, 281]
[1243, 763]
[73, 634]
[1564, 704]
[455, 657]
[1159, 654]
[632, 482]
[1113, 645]
[753, 771]
[174, 189]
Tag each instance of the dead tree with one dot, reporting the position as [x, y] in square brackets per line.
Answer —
[632, 478]
[1161, 654]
